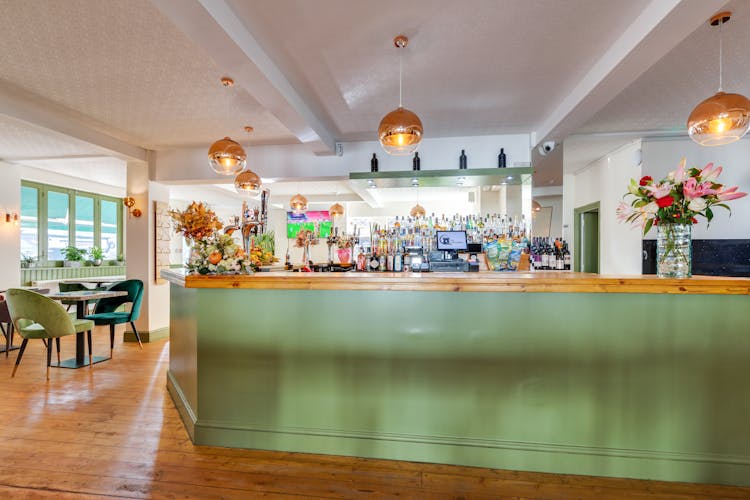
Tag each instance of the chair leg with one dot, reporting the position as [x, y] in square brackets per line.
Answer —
[111, 339]
[7, 337]
[20, 355]
[57, 341]
[138, 337]
[91, 356]
[49, 356]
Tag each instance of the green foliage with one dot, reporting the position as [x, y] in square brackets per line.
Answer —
[73, 254]
[96, 253]
[266, 241]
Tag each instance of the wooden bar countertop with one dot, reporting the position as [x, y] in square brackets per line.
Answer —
[530, 282]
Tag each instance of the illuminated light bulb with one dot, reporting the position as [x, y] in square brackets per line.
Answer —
[226, 157]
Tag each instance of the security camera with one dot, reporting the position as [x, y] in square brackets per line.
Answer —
[546, 147]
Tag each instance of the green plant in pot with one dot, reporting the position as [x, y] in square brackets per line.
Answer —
[27, 261]
[72, 256]
[96, 255]
[120, 260]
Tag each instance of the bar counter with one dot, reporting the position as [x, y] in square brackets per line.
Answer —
[558, 372]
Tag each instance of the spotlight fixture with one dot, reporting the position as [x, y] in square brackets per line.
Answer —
[400, 131]
[722, 118]
[129, 203]
[225, 156]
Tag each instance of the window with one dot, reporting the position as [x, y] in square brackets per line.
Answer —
[53, 218]
[30, 221]
[58, 226]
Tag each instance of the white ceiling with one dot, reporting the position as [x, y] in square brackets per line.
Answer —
[146, 72]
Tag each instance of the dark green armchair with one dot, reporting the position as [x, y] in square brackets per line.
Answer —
[106, 310]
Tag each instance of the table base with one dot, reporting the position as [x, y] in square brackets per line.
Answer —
[12, 348]
[72, 363]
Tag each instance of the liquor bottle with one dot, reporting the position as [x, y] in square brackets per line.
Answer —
[501, 158]
[462, 160]
[374, 263]
[288, 261]
[415, 162]
[374, 163]
[566, 257]
[398, 261]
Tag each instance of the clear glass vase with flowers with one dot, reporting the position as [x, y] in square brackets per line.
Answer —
[673, 205]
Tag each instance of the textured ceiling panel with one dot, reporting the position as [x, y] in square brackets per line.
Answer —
[663, 97]
[20, 140]
[125, 65]
[472, 67]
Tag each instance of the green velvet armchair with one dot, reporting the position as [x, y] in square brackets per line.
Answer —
[106, 311]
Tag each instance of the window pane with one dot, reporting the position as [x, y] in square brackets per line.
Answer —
[109, 229]
[29, 222]
[57, 224]
[84, 222]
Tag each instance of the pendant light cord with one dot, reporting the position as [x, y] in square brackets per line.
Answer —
[400, 75]
[721, 55]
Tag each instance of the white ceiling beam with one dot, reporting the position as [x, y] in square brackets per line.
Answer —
[46, 114]
[660, 27]
[216, 28]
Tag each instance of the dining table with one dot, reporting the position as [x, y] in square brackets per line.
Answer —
[96, 281]
[81, 298]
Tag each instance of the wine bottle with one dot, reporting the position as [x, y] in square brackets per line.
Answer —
[415, 162]
[462, 160]
[374, 163]
[501, 159]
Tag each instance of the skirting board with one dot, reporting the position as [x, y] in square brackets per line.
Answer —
[498, 454]
[147, 336]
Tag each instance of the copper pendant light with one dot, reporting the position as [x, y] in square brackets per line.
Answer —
[417, 211]
[248, 182]
[298, 204]
[535, 206]
[225, 156]
[336, 209]
[722, 118]
[400, 131]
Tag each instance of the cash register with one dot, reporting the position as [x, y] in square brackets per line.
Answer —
[445, 259]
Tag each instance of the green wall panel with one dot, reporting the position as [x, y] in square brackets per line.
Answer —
[630, 385]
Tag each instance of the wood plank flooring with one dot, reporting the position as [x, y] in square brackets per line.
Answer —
[112, 432]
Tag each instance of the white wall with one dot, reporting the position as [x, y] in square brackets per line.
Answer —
[296, 161]
[10, 236]
[605, 181]
[555, 202]
[663, 156]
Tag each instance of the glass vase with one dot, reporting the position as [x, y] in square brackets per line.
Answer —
[345, 255]
[674, 253]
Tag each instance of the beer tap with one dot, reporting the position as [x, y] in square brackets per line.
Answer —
[333, 239]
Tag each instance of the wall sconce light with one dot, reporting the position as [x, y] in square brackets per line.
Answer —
[11, 217]
[129, 202]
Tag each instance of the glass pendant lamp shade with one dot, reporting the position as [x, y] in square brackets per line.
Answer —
[336, 209]
[400, 132]
[720, 119]
[226, 157]
[248, 183]
[417, 211]
[298, 204]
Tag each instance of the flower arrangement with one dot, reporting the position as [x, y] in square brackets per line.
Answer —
[678, 199]
[220, 254]
[196, 222]
[261, 257]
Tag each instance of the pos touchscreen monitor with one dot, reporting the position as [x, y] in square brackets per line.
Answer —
[451, 241]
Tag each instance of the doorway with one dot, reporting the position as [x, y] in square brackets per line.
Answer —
[586, 234]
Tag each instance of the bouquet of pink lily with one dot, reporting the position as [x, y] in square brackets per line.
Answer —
[678, 199]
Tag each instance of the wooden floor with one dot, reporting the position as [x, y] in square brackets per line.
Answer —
[112, 431]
